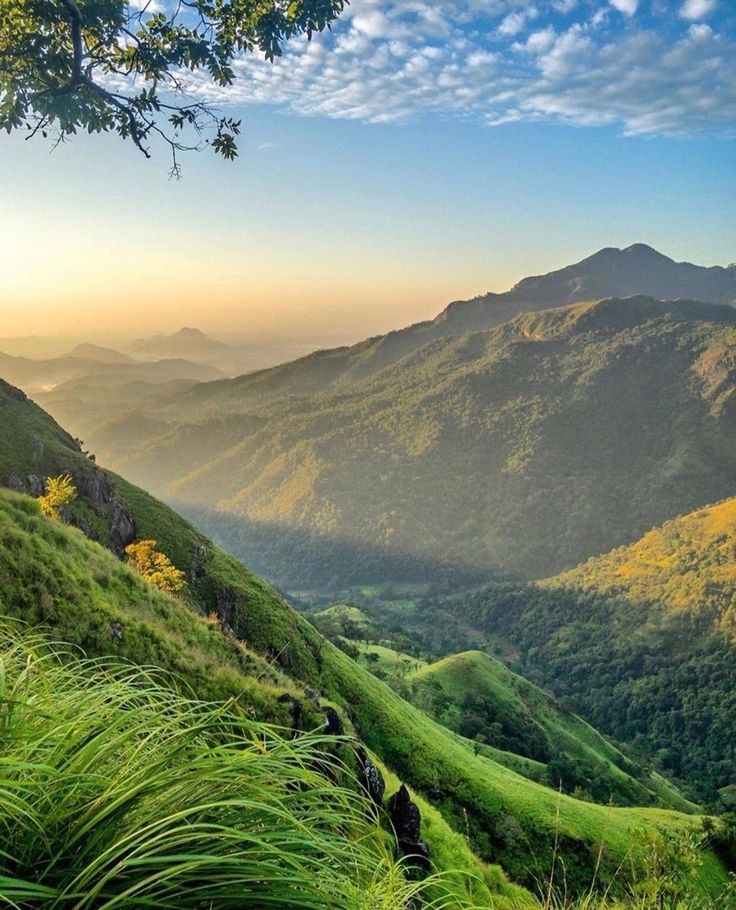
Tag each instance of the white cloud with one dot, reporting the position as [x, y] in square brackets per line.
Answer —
[512, 24]
[563, 7]
[538, 42]
[148, 6]
[627, 7]
[391, 60]
[697, 9]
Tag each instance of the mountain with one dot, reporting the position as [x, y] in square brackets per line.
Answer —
[189, 344]
[525, 448]
[102, 354]
[36, 375]
[641, 641]
[636, 270]
[255, 646]
[610, 272]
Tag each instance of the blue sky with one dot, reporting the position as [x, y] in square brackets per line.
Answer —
[419, 153]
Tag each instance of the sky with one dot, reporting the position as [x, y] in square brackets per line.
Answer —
[420, 152]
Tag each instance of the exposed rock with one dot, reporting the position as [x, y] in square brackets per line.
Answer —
[418, 853]
[117, 631]
[370, 777]
[407, 821]
[297, 711]
[35, 486]
[15, 483]
[312, 695]
[199, 558]
[122, 527]
[76, 522]
[333, 723]
[405, 816]
[226, 608]
[94, 486]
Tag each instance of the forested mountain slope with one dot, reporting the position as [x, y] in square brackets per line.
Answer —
[642, 640]
[610, 272]
[526, 448]
[480, 698]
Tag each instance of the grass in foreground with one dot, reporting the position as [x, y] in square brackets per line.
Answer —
[117, 792]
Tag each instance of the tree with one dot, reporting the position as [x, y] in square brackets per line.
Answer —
[155, 567]
[60, 491]
[110, 66]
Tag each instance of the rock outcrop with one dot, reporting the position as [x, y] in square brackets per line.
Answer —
[407, 822]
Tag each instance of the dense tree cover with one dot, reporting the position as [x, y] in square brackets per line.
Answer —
[115, 66]
[293, 557]
[642, 642]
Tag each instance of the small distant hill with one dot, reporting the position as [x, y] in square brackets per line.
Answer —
[480, 698]
[101, 354]
[187, 343]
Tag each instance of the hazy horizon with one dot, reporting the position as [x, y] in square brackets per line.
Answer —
[274, 336]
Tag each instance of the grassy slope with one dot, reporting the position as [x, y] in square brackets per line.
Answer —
[510, 819]
[507, 816]
[535, 725]
[100, 761]
[55, 578]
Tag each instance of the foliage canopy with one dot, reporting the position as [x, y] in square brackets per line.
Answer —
[114, 66]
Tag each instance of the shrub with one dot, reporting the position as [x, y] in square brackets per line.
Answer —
[60, 491]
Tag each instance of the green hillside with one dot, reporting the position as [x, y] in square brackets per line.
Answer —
[81, 593]
[61, 579]
[643, 640]
[508, 719]
[527, 448]
[479, 697]
[55, 579]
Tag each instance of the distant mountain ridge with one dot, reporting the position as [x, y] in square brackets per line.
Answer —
[611, 272]
[524, 448]
[187, 343]
[99, 353]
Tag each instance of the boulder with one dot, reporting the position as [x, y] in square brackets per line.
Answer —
[122, 527]
[370, 777]
[333, 723]
[407, 822]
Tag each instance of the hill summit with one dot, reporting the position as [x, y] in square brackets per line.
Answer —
[187, 342]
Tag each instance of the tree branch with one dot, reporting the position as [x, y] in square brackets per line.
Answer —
[77, 43]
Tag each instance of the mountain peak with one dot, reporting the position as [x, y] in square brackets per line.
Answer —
[645, 251]
[187, 332]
